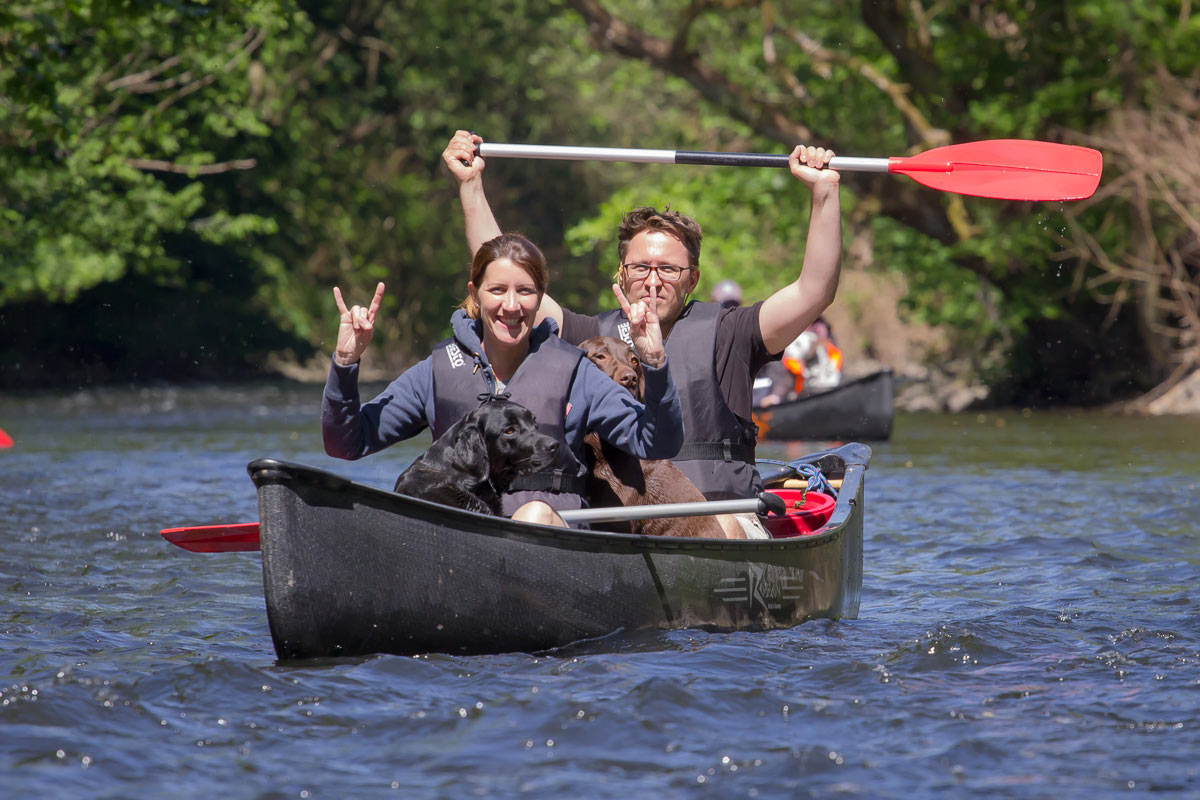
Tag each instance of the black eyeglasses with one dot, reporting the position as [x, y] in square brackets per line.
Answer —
[668, 273]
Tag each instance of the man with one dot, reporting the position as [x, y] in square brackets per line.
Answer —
[718, 349]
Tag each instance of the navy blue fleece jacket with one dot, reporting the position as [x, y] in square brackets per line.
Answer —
[352, 430]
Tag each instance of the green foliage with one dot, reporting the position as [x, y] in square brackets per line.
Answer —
[106, 108]
[974, 70]
[232, 160]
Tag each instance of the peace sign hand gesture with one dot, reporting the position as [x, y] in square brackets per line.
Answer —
[356, 327]
[644, 329]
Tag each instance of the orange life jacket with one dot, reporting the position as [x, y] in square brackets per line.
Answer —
[796, 367]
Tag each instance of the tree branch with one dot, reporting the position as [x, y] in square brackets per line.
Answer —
[886, 19]
[765, 116]
[155, 165]
[898, 93]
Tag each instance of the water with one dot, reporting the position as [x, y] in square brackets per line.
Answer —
[1027, 630]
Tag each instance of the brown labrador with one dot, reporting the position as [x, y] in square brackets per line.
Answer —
[619, 479]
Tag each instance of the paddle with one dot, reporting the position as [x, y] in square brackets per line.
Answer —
[5, 439]
[1003, 169]
[243, 536]
[238, 537]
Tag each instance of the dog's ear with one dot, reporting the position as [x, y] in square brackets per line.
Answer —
[467, 451]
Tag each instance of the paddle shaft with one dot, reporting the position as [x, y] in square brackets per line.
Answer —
[662, 510]
[1001, 169]
[693, 157]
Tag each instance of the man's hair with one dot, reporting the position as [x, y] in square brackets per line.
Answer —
[646, 218]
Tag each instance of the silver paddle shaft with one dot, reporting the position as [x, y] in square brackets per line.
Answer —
[694, 157]
[662, 510]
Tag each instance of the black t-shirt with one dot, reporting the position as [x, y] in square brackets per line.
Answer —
[739, 351]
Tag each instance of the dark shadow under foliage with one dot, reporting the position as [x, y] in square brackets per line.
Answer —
[1077, 362]
[140, 332]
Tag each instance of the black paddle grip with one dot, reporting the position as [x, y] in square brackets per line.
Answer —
[769, 503]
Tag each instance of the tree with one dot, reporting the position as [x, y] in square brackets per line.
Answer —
[886, 78]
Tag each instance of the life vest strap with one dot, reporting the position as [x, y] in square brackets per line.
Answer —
[725, 450]
[556, 481]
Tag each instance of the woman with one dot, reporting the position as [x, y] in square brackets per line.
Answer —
[496, 347]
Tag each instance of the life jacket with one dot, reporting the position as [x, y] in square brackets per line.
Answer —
[542, 384]
[824, 371]
[718, 446]
[835, 355]
[796, 367]
[827, 357]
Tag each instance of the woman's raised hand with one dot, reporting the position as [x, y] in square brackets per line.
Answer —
[460, 157]
[356, 327]
[644, 329]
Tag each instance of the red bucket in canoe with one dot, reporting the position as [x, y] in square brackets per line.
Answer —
[805, 515]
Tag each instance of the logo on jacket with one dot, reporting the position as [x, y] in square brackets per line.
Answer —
[623, 332]
[455, 355]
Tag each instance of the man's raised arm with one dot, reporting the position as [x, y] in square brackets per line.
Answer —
[785, 314]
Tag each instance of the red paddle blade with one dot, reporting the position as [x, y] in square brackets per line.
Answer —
[5, 439]
[1007, 169]
[240, 537]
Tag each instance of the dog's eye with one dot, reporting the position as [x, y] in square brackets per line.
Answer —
[601, 356]
[633, 360]
[510, 430]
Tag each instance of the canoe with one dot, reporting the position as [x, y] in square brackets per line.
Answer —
[857, 410]
[350, 569]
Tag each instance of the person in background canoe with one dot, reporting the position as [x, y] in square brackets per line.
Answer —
[727, 294]
[499, 346]
[810, 364]
[715, 351]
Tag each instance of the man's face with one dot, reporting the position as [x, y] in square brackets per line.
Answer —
[657, 248]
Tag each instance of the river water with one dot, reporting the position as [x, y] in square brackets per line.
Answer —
[1029, 628]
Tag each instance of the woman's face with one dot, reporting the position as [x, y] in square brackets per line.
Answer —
[508, 302]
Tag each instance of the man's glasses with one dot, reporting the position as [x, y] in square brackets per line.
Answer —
[668, 273]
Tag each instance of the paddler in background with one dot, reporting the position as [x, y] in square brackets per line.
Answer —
[727, 293]
[810, 364]
[715, 351]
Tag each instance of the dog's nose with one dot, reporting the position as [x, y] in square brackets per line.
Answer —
[627, 378]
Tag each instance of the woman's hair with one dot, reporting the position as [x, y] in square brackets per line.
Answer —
[517, 249]
[645, 218]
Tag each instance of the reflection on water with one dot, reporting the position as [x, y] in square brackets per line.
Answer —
[1027, 628]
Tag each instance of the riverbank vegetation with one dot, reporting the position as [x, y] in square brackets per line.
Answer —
[182, 183]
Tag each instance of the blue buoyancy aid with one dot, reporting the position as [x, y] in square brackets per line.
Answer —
[542, 384]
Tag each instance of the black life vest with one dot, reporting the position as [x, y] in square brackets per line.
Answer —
[542, 384]
[718, 447]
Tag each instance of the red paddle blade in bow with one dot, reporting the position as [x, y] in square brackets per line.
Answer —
[1007, 169]
[240, 537]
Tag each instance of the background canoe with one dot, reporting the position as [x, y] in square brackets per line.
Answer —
[349, 569]
[860, 409]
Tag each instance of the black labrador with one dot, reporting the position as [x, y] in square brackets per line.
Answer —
[474, 462]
